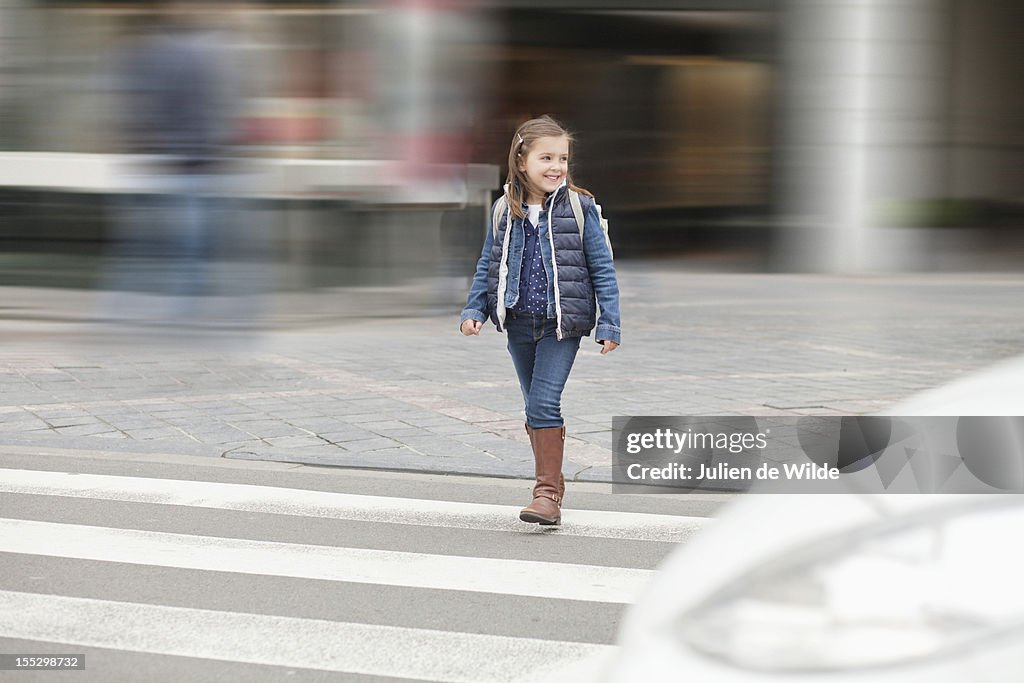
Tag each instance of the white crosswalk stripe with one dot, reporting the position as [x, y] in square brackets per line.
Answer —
[312, 643]
[289, 501]
[337, 645]
[417, 570]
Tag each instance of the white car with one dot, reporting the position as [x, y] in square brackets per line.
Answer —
[841, 587]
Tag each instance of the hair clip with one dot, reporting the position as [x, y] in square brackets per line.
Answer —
[520, 138]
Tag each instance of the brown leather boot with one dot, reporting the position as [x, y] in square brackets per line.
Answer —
[561, 477]
[548, 449]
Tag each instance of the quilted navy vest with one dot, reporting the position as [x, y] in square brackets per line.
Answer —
[574, 293]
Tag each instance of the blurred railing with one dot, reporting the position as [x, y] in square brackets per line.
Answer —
[372, 181]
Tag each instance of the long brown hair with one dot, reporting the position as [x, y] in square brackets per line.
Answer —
[523, 139]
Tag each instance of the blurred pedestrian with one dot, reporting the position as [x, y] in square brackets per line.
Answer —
[175, 119]
[546, 261]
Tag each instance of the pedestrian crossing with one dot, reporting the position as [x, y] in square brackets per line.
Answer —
[122, 563]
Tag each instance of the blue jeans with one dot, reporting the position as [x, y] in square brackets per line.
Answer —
[542, 364]
[164, 235]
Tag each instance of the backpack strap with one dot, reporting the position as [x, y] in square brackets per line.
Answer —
[577, 211]
[496, 213]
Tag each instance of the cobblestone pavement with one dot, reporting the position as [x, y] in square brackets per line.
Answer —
[411, 393]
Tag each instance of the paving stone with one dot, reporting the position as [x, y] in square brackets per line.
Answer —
[139, 425]
[459, 427]
[365, 445]
[154, 433]
[296, 442]
[382, 426]
[59, 422]
[317, 424]
[220, 436]
[85, 430]
[437, 446]
[403, 434]
[55, 416]
[355, 418]
[346, 435]
[502, 448]
[433, 422]
[267, 428]
[23, 426]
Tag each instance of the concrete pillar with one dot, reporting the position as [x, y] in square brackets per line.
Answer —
[864, 128]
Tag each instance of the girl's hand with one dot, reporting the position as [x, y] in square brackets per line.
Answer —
[609, 346]
[472, 327]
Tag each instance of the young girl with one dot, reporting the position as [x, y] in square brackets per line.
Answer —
[546, 258]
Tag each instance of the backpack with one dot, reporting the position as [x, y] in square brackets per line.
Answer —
[501, 205]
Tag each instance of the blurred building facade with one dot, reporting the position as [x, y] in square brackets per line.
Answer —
[824, 135]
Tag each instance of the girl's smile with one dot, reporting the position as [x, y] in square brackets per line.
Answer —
[545, 166]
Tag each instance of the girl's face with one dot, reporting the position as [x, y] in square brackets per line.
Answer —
[545, 167]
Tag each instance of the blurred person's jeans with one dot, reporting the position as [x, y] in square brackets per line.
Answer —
[164, 229]
[542, 363]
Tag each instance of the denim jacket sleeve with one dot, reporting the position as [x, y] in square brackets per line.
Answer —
[476, 303]
[602, 274]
